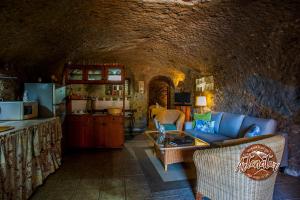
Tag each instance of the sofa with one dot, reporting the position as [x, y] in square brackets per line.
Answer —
[217, 178]
[229, 126]
[172, 119]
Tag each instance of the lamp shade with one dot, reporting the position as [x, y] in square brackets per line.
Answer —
[201, 101]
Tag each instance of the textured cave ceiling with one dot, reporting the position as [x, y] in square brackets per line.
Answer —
[134, 32]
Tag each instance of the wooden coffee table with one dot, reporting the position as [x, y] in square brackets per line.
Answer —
[182, 152]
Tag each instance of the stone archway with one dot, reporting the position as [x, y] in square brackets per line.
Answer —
[160, 91]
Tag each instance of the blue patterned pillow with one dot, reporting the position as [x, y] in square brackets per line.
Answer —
[205, 126]
[252, 131]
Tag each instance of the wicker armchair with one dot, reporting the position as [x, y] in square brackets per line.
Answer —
[217, 177]
[171, 116]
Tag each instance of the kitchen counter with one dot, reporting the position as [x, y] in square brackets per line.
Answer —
[29, 153]
[18, 125]
[91, 114]
[104, 112]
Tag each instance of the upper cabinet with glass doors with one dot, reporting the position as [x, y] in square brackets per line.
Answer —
[105, 73]
[95, 74]
[75, 74]
[115, 74]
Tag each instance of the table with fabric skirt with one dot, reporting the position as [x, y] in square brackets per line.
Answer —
[28, 154]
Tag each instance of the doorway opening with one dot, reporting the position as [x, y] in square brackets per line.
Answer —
[160, 92]
[161, 89]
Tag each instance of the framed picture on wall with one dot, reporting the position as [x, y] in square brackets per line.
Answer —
[205, 83]
[141, 87]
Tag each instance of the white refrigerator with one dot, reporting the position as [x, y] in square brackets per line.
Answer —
[50, 96]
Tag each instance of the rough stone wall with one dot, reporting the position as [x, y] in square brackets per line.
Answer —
[11, 89]
[251, 47]
[257, 94]
[257, 71]
[8, 90]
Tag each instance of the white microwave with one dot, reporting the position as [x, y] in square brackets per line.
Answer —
[18, 110]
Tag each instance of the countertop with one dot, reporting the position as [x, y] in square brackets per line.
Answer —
[22, 124]
[104, 112]
[93, 114]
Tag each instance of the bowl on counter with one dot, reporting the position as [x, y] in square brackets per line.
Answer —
[114, 111]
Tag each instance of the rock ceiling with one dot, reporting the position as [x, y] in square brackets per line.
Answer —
[177, 33]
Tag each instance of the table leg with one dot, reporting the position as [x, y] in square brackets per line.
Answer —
[154, 152]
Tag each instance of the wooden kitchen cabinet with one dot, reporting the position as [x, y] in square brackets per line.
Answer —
[79, 131]
[115, 134]
[108, 131]
[115, 74]
[75, 74]
[87, 131]
[100, 130]
[95, 74]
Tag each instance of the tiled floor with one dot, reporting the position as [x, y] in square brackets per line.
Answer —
[101, 175]
[116, 175]
[287, 188]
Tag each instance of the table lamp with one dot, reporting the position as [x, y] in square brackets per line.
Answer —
[201, 102]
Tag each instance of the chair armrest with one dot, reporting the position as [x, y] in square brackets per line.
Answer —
[285, 155]
[188, 125]
[180, 122]
[232, 142]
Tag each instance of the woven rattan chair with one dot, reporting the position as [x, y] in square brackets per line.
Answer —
[217, 177]
[172, 116]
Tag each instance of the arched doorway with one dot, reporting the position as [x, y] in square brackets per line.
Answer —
[160, 89]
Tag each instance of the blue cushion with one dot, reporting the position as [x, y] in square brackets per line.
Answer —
[205, 126]
[252, 131]
[207, 137]
[267, 126]
[188, 125]
[216, 116]
[169, 127]
[230, 124]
